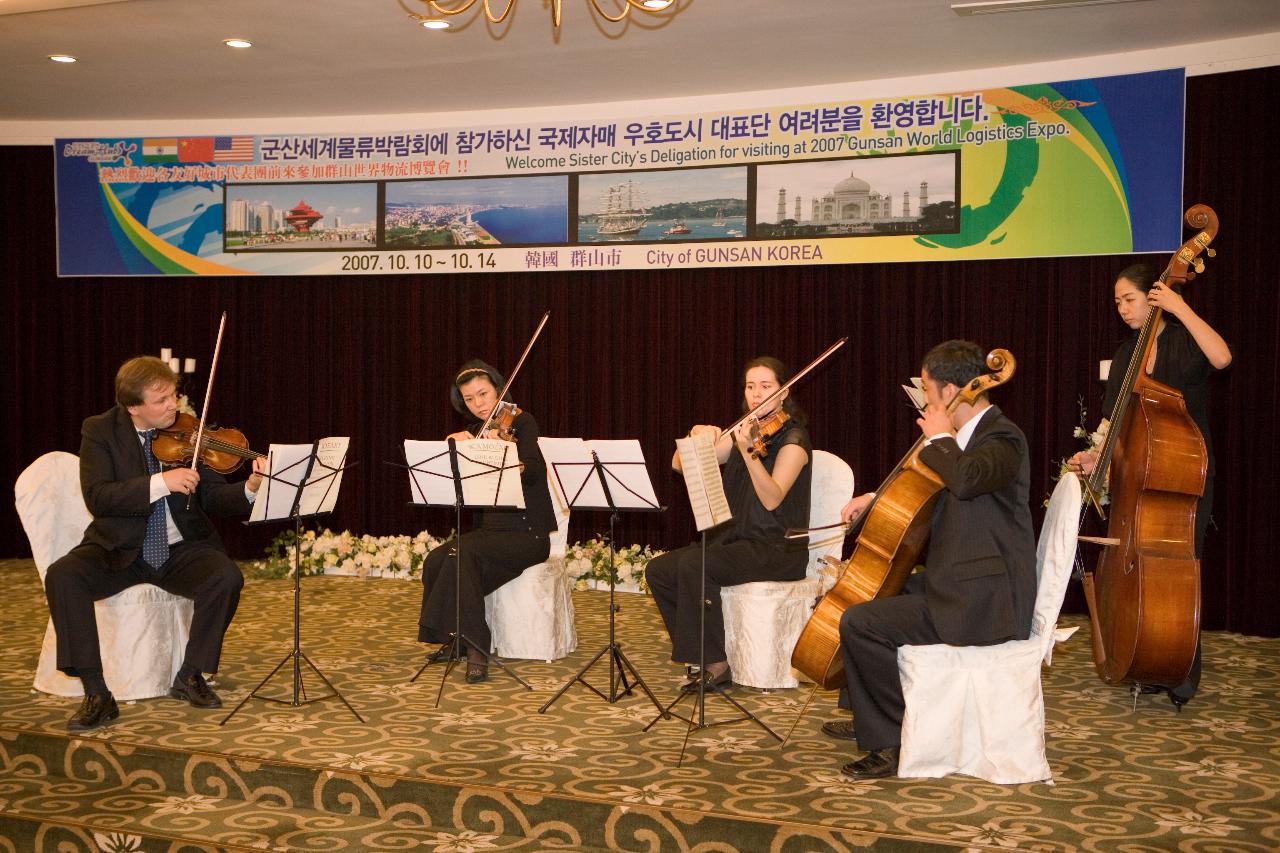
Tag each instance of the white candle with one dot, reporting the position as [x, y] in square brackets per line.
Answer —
[173, 365]
[166, 353]
[189, 366]
[1104, 370]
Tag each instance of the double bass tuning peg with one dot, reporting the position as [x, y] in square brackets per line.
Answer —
[1199, 266]
[1211, 252]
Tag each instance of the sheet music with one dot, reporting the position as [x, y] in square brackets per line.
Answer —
[702, 479]
[488, 467]
[320, 493]
[288, 466]
[915, 393]
[624, 468]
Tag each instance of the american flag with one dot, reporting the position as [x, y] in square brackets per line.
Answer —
[233, 149]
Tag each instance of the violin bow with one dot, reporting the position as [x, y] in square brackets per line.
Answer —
[488, 422]
[792, 381]
[208, 392]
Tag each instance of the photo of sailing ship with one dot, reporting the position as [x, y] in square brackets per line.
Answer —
[661, 206]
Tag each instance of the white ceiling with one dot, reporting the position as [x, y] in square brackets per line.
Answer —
[164, 59]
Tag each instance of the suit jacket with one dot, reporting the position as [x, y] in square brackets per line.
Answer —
[117, 491]
[980, 574]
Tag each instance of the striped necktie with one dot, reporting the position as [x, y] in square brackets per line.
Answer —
[155, 547]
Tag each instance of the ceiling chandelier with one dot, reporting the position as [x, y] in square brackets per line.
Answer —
[440, 11]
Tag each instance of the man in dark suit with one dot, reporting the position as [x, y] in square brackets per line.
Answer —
[143, 532]
[979, 583]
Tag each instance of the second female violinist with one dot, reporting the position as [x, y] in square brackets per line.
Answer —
[767, 494]
[502, 542]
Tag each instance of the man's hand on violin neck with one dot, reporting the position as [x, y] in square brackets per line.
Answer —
[181, 481]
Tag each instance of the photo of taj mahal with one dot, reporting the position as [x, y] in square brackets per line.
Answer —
[865, 196]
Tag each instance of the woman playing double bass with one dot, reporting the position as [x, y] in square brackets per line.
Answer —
[767, 494]
[1186, 352]
[502, 542]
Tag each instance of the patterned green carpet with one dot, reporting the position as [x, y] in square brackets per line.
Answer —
[485, 771]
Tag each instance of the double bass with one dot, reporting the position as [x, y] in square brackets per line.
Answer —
[1144, 595]
[894, 531]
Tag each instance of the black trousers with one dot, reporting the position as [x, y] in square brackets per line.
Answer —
[490, 558]
[675, 579]
[870, 634]
[196, 570]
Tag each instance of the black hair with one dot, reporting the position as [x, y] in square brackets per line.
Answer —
[470, 370]
[1143, 276]
[954, 362]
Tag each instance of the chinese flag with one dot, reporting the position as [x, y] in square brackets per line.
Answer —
[195, 150]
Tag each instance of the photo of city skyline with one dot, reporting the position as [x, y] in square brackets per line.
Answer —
[271, 217]
[476, 212]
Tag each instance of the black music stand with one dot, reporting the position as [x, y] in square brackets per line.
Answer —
[619, 664]
[316, 475]
[453, 649]
[697, 718]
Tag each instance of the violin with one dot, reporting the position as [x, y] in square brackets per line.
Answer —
[503, 419]
[222, 450]
[763, 429]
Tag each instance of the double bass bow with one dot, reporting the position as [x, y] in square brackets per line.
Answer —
[1144, 595]
[892, 534]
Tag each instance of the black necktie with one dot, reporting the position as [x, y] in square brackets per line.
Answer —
[155, 547]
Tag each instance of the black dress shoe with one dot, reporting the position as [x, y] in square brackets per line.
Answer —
[712, 682]
[94, 712]
[839, 729]
[442, 654]
[195, 690]
[876, 764]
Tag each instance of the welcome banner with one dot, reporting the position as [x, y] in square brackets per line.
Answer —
[1069, 168]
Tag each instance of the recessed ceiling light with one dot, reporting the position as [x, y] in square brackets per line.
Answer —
[656, 5]
[241, 43]
[62, 57]
[435, 24]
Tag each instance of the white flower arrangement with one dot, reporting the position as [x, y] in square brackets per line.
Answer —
[345, 553]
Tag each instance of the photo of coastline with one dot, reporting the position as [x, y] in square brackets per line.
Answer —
[476, 212]
[863, 196]
[645, 207]
[272, 217]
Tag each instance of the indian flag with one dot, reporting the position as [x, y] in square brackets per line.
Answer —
[160, 150]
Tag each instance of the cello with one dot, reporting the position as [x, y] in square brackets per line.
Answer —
[1144, 595]
[893, 533]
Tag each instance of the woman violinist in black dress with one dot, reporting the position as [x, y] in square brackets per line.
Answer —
[1186, 352]
[501, 543]
[767, 496]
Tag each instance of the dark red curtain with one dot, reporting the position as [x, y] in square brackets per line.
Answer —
[646, 354]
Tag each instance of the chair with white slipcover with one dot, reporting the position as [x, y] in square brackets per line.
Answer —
[142, 631]
[979, 710]
[532, 616]
[763, 619]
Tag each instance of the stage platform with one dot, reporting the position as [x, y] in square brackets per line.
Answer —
[485, 771]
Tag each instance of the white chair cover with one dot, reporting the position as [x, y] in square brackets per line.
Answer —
[142, 631]
[532, 616]
[763, 619]
[979, 710]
